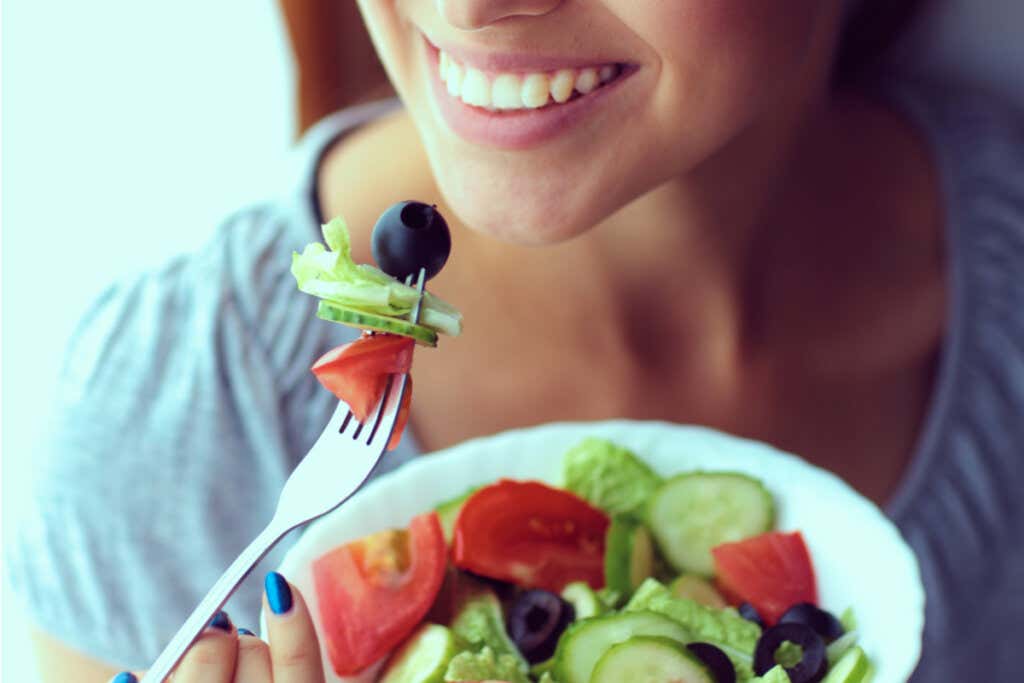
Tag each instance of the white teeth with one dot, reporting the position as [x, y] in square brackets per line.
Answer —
[455, 78]
[506, 92]
[476, 89]
[509, 91]
[535, 90]
[587, 81]
[444, 64]
[562, 85]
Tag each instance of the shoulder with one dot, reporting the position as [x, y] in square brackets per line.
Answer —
[977, 141]
[960, 494]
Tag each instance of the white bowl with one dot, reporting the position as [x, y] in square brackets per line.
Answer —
[859, 556]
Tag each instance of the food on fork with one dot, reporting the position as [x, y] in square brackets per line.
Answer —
[409, 238]
[683, 578]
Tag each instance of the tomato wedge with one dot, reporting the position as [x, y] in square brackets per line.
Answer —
[357, 373]
[373, 592]
[532, 535]
[772, 572]
[403, 417]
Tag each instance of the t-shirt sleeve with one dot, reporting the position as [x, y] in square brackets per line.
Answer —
[184, 402]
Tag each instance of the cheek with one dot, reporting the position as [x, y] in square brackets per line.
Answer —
[389, 32]
[722, 63]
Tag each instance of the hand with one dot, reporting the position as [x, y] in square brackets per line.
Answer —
[223, 654]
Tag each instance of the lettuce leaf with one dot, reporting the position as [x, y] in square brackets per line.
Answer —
[330, 273]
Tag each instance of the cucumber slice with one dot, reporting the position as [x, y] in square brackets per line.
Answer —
[692, 513]
[650, 659]
[448, 512]
[853, 667]
[628, 555]
[584, 642]
[698, 589]
[583, 599]
[835, 650]
[336, 313]
[423, 658]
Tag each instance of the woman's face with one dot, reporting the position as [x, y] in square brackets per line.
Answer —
[543, 117]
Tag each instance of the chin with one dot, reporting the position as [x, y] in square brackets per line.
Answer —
[518, 215]
[526, 202]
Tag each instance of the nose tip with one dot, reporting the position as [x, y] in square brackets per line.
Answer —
[471, 15]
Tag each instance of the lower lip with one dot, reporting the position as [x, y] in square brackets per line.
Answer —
[520, 129]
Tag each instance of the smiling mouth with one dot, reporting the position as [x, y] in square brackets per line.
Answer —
[523, 91]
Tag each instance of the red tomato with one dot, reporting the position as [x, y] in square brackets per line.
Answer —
[532, 535]
[373, 592]
[357, 372]
[772, 572]
[403, 417]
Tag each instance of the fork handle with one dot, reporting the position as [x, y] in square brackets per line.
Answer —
[214, 600]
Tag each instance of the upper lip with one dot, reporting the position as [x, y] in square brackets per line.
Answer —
[485, 60]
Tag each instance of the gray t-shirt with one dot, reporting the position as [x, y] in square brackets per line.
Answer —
[186, 399]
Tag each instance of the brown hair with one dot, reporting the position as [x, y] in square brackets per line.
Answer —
[869, 32]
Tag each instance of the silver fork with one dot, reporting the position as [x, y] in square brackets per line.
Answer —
[335, 467]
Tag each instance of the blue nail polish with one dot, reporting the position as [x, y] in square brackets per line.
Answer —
[279, 595]
[220, 620]
[245, 632]
[125, 677]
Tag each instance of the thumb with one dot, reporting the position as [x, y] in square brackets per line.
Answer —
[294, 647]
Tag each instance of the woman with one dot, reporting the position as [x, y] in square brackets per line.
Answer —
[716, 231]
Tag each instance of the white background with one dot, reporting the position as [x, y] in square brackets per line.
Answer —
[130, 128]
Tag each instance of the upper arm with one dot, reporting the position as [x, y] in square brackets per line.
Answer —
[173, 433]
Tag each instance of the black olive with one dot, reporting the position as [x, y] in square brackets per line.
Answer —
[409, 236]
[750, 613]
[715, 660]
[823, 623]
[812, 665]
[536, 621]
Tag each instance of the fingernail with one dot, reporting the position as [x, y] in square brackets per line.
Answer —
[220, 620]
[125, 677]
[279, 595]
[245, 632]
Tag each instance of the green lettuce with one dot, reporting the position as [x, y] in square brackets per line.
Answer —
[775, 675]
[610, 477]
[485, 666]
[724, 628]
[328, 272]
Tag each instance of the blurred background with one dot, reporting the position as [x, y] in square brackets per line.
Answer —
[131, 129]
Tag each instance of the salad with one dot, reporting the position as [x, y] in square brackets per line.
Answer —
[410, 239]
[616, 575]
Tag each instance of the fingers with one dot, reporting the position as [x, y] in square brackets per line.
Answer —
[211, 658]
[294, 649]
[253, 663]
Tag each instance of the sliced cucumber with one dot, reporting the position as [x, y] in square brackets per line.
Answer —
[692, 513]
[586, 641]
[853, 667]
[628, 555]
[423, 658]
[448, 512]
[650, 659]
[336, 313]
[698, 589]
[583, 599]
[840, 646]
